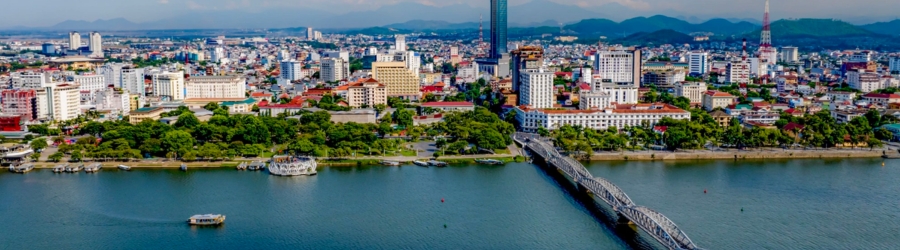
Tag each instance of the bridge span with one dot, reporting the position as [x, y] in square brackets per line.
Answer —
[654, 223]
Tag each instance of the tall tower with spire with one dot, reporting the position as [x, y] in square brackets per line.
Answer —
[766, 51]
[481, 29]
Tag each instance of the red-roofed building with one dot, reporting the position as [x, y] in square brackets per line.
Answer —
[716, 99]
[620, 116]
[259, 96]
[450, 106]
[882, 99]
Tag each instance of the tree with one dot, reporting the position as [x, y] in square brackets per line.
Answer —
[187, 120]
[211, 106]
[76, 156]
[874, 143]
[35, 157]
[380, 108]
[883, 134]
[39, 144]
[56, 157]
[542, 131]
[177, 141]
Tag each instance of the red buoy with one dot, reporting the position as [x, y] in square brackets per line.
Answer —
[704, 191]
[442, 200]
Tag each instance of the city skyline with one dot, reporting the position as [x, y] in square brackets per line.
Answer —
[176, 11]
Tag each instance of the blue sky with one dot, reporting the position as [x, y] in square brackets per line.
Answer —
[49, 12]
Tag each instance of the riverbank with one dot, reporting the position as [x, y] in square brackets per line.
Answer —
[462, 159]
[734, 155]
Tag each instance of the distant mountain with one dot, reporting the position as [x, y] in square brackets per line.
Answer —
[666, 36]
[420, 25]
[655, 23]
[111, 24]
[540, 10]
[813, 28]
[885, 28]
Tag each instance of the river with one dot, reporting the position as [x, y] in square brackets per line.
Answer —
[800, 204]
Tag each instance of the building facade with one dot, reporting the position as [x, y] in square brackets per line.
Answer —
[59, 102]
[366, 93]
[698, 63]
[619, 66]
[398, 81]
[332, 69]
[716, 99]
[291, 70]
[737, 72]
[619, 116]
[231, 86]
[169, 85]
[20, 102]
[691, 90]
[89, 82]
[537, 89]
[498, 28]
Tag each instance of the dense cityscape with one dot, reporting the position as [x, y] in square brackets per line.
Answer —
[392, 96]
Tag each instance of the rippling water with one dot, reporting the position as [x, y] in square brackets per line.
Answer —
[791, 204]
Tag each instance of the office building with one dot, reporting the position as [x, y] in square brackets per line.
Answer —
[366, 93]
[216, 54]
[397, 79]
[74, 40]
[498, 28]
[291, 70]
[536, 90]
[333, 69]
[691, 90]
[132, 79]
[894, 65]
[48, 49]
[698, 63]
[169, 86]
[400, 43]
[310, 34]
[95, 44]
[864, 81]
[789, 55]
[112, 73]
[20, 102]
[29, 80]
[89, 82]
[618, 66]
[231, 86]
[619, 116]
[59, 102]
[737, 72]
[525, 58]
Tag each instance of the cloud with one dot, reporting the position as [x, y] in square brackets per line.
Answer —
[164, 1]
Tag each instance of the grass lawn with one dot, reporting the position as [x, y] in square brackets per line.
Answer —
[408, 153]
[268, 154]
[501, 151]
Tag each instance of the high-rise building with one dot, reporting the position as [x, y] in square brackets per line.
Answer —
[537, 89]
[216, 54]
[367, 92]
[20, 102]
[96, 44]
[618, 66]
[74, 40]
[737, 71]
[400, 43]
[397, 79]
[698, 63]
[864, 81]
[59, 102]
[132, 79]
[894, 65]
[332, 69]
[291, 70]
[169, 85]
[498, 28]
[789, 54]
[310, 34]
[525, 58]
[48, 49]
[230, 86]
[89, 82]
[691, 90]
[112, 73]
[29, 80]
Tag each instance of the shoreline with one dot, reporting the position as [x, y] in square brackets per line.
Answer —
[234, 163]
[735, 155]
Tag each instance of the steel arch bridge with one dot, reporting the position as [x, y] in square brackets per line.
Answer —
[660, 227]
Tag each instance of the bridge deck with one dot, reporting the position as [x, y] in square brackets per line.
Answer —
[654, 223]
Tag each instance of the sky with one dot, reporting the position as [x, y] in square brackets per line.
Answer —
[38, 13]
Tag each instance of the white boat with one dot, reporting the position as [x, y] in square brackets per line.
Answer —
[489, 161]
[292, 166]
[183, 167]
[74, 168]
[206, 220]
[23, 168]
[390, 163]
[123, 167]
[93, 168]
[242, 166]
[437, 163]
[421, 163]
[60, 168]
[256, 165]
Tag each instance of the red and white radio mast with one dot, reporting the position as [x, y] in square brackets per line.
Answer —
[766, 51]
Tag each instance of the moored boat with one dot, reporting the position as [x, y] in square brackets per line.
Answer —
[390, 163]
[292, 166]
[123, 167]
[74, 168]
[489, 161]
[437, 163]
[242, 166]
[60, 168]
[206, 220]
[421, 163]
[93, 168]
[23, 168]
[183, 167]
[256, 165]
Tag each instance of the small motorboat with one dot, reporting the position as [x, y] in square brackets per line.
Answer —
[93, 168]
[489, 161]
[24, 168]
[242, 166]
[183, 167]
[256, 166]
[421, 163]
[390, 163]
[74, 168]
[60, 168]
[437, 163]
[206, 220]
[125, 168]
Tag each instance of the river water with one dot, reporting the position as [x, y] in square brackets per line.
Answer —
[792, 204]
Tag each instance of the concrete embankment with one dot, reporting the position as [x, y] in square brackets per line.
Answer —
[735, 155]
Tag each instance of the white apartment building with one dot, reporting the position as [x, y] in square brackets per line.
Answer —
[716, 99]
[217, 54]
[789, 54]
[536, 90]
[112, 73]
[310, 35]
[74, 40]
[132, 79]
[96, 44]
[619, 66]
[59, 102]
[367, 93]
[621, 94]
[862, 81]
[593, 100]
[291, 70]
[89, 82]
[691, 90]
[169, 85]
[737, 72]
[29, 80]
[231, 86]
[117, 102]
[332, 69]
[698, 63]
[619, 116]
